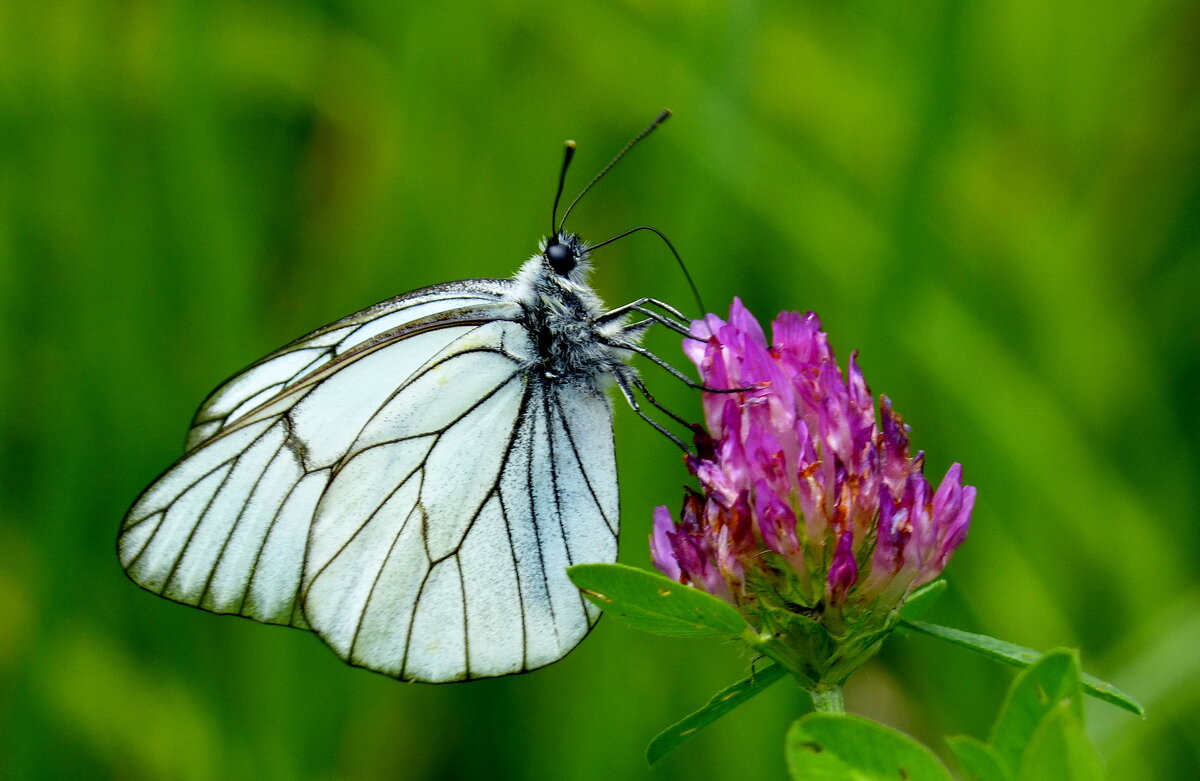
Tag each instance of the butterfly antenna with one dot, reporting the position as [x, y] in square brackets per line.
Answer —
[670, 246]
[562, 178]
[661, 118]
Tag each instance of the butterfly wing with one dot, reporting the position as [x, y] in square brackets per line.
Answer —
[453, 566]
[227, 526]
[400, 483]
[278, 371]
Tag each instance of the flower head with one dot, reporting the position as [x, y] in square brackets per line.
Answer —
[813, 509]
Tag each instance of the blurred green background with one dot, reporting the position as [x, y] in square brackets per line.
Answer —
[997, 203]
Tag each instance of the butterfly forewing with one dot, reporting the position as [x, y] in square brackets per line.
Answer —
[226, 528]
[404, 482]
[269, 376]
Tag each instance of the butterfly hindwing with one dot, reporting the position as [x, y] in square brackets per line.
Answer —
[453, 566]
[557, 519]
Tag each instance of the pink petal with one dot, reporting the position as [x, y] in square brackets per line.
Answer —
[661, 551]
[843, 572]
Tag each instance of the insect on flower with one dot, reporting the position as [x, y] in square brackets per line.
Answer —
[410, 482]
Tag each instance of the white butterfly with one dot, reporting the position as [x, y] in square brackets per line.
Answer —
[410, 482]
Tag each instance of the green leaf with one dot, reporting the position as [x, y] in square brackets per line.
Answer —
[1059, 750]
[721, 703]
[837, 747]
[919, 602]
[1050, 682]
[977, 759]
[1021, 657]
[1103, 690]
[654, 603]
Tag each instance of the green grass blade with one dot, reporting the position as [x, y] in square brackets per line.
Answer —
[721, 703]
[1018, 656]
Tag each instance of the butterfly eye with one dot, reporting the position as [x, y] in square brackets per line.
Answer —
[561, 258]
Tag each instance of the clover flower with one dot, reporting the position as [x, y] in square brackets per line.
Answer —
[814, 517]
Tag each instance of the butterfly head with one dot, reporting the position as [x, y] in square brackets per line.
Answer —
[566, 255]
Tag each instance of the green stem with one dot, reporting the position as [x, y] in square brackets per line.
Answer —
[827, 699]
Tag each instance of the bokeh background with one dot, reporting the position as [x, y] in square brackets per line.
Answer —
[997, 203]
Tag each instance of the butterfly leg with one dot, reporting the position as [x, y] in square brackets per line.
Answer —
[624, 344]
[627, 381]
[674, 319]
[641, 386]
[639, 305]
[678, 328]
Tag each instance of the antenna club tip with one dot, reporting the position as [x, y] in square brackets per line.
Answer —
[663, 116]
[569, 144]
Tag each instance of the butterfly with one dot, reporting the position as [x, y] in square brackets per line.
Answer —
[411, 482]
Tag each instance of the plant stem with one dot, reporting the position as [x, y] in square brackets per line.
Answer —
[827, 699]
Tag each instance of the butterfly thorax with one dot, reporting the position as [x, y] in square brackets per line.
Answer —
[561, 315]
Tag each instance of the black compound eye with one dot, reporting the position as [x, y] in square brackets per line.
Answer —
[561, 258]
